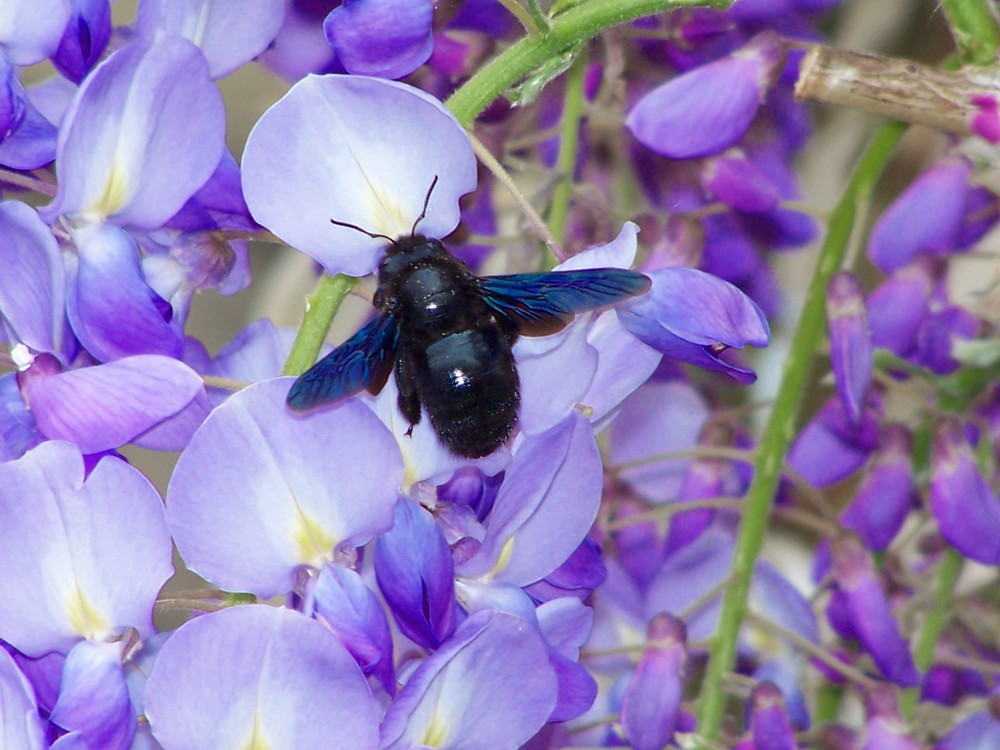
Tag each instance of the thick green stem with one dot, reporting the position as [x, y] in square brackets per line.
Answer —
[569, 144]
[949, 570]
[321, 307]
[781, 426]
[975, 28]
[569, 29]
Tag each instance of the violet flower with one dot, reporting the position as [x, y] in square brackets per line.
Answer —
[384, 38]
[850, 342]
[653, 696]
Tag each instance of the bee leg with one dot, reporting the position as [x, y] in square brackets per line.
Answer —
[408, 399]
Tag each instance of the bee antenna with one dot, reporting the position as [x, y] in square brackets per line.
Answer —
[373, 235]
[427, 200]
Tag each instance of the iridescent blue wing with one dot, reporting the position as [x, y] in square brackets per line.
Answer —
[362, 362]
[537, 304]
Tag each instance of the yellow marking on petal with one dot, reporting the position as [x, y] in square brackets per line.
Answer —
[256, 740]
[83, 617]
[314, 543]
[390, 218]
[501, 563]
[116, 188]
[436, 733]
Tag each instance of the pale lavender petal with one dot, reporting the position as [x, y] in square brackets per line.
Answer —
[144, 132]
[258, 676]
[107, 406]
[79, 559]
[111, 308]
[30, 29]
[175, 432]
[619, 253]
[260, 491]
[32, 285]
[623, 364]
[555, 373]
[980, 731]
[424, 455]
[384, 38]
[311, 159]
[708, 109]
[17, 425]
[20, 724]
[660, 417]
[490, 687]
[544, 508]
[93, 699]
[351, 610]
[229, 33]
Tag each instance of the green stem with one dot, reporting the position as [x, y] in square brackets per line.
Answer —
[522, 14]
[975, 29]
[569, 29]
[949, 570]
[781, 425]
[569, 144]
[321, 307]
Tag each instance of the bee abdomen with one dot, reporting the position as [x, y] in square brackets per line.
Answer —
[468, 383]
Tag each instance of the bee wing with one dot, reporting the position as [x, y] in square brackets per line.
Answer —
[538, 304]
[364, 361]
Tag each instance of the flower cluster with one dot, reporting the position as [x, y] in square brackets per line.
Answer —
[364, 585]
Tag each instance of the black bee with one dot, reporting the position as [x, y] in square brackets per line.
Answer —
[448, 333]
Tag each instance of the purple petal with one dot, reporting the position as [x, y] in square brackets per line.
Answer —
[785, 673]
[311, 159]
[937, 336]
[32, 285]
[80, 559]
[350, 609]
[93, 699]
[980, 731]
[84, 39]
[769, 724]
[490, 687]
[112, 309]
[850, 342]
[30, 29]
[18, 432]
[831, 447]
[653, 696]
[32, 144]
[898, 308]
[870, 613]
[659, 418]
[384, 38]
[694, 316]
[229, 33]
[708, 109]
[964, 506]
[985, 122]
[545, 507]
[925, 218]
[175, 432]
[882, 501]
[738, 182]
[255, 673]
[260, 491]
[137, 164]
[415, 573]
[885, 726]
[107, 406]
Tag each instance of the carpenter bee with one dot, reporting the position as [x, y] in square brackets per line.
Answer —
[447, 334]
